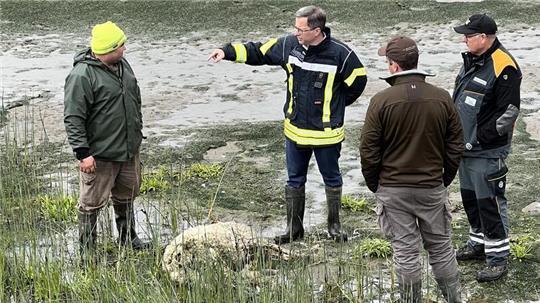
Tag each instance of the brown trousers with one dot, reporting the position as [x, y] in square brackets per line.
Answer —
[120, 181]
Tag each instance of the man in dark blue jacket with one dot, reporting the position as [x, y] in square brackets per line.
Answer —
[487, 97]
[323, 77]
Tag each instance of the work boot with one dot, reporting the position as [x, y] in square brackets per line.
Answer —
[296, 201]
[450, 288]
[87, 237]
[491, 273]
[470, 253]
[125, 223]
[333, 200]
[410, 292]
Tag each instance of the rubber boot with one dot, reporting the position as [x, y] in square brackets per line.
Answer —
[87, 237]
[410, 292]
[125, 223]
[450, 288]
[296, 201]
[333, 200]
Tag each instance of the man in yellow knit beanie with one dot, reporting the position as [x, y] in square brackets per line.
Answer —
[103, 121]
[106, 37]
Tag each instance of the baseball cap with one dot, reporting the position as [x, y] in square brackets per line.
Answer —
[478, 23]
[400, 49]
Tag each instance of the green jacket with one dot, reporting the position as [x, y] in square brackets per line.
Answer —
[102, 109]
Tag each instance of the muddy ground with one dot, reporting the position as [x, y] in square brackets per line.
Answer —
[230, 113]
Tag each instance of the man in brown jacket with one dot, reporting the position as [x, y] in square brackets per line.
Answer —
[411, 147]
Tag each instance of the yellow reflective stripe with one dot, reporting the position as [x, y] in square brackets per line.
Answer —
[241, 53]
[355, 73]
[265, 47]
[328, 97]
[500, 61]
[289, 70]
[313, 137]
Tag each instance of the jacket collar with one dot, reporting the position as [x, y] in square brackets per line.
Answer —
[323, 44]
[469, 59]
[407, 76]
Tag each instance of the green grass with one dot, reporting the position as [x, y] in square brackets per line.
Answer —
[59, 208]
[521, 248]
[38, 265]
[373, 247]
[156, 181]
[203, 171]
[355, 204]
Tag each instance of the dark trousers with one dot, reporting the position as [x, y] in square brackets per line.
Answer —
[483, 183]
[298, 161]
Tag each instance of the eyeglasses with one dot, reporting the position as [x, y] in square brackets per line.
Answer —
[472, 35]
[301, 31]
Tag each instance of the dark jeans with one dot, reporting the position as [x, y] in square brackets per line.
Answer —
[298, 162]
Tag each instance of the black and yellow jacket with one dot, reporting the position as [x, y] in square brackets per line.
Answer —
[487, 97]
[321, 81]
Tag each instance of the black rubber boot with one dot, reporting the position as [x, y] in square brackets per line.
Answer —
[410, 292]
[450, 288]
[296, 201]
[125, 223]
[333, 200]
[87, 237]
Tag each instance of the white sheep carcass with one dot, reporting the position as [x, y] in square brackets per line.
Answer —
[231, 246]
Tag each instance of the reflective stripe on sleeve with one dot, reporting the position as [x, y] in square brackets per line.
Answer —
[355, 73]
[290, 86]
[241, 53]
[265, 47]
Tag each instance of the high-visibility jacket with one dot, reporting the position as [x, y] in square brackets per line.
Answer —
[321, 81]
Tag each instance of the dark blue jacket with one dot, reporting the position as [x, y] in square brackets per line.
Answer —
[321, 81]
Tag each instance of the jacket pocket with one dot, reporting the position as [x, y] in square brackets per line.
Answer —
[316, 99]
[469, 105]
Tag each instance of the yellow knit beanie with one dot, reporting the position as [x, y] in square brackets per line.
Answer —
[106, 37]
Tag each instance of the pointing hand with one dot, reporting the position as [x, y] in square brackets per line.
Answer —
[216, 55]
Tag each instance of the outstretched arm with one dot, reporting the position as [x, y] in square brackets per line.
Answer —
[252, 53]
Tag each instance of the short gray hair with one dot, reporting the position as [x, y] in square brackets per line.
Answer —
[316, 17]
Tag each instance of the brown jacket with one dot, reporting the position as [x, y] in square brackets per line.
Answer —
[412, 135]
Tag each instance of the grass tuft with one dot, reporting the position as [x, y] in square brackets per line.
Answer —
[522, 247]
[203, 171]
[355, 204]
[373, 247]
[155, 181]
[59, 208]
